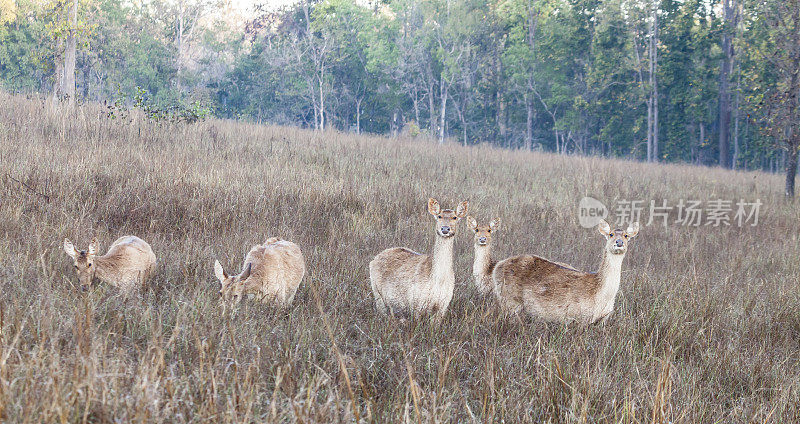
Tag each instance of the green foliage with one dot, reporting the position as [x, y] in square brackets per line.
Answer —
[570, 75]
[188, 113]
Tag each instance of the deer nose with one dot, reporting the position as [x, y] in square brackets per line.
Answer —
[620, 243]
[445, 229]
[482, 239]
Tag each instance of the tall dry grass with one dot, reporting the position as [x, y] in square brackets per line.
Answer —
[706, 327]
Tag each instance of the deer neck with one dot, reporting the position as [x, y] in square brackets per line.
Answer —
[483, 259]
[442, 260]
[609, 276]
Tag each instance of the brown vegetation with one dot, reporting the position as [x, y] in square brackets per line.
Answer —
[706, 326]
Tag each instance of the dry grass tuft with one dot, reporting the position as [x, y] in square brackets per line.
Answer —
[706, 328]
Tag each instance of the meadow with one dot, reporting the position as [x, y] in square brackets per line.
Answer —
[706, 326]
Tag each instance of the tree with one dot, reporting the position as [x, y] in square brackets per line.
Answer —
[728, 27]
[775, 43]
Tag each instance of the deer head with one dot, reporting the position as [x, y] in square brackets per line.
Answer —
[83, 262]
[483, 233]
[617, 240]
[446, 219]
[232, 286]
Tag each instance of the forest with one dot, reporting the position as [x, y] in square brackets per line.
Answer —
[711, 83]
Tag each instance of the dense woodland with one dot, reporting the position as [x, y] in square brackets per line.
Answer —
[703, 82]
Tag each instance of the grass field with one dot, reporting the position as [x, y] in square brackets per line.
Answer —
[706, 327]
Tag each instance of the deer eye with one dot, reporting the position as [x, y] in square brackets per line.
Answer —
[439, 216]
[489, 230]
[626, 236]
[455, 218]
[75, 266]
[88, 265]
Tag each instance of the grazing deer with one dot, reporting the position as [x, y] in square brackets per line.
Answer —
[271, 273]
[483, 265]
[406, 281]
[128, 263]
[555, 292]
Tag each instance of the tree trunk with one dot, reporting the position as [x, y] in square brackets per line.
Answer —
[529, 124]
[735, 159]
[793, 132]
[791, 172]
[702, 140]
[724, 87]
[464, 126]
[86, 76]
[416, 108]
[432, 110]
[443, 112]
[358, 116]
[501, 106]
[179, 45]
[322, 100]
[58, 76]
[652, 111]
[68, 88]
[793, 139]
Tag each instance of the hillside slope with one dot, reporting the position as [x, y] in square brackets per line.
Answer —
[706, 328]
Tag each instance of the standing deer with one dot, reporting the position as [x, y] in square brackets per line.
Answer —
[405, 281]
[271, 272]
[128, 263]
[483, 264]
[555, 292]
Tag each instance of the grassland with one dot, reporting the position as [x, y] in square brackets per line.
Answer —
[706, 327]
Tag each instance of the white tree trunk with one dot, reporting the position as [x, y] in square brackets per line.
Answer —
[68, 88]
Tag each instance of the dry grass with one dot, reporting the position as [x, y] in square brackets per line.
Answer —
[706, 328]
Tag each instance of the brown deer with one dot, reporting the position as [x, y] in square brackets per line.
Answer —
[483, 265]
[404, 281]
[127, 265]
[271, 273]
[555, 292]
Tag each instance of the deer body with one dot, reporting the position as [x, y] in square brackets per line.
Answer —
[557, 292]
[404, 281]
[272, 272]
[127, 264]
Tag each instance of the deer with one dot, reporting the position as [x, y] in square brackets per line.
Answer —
[127, 264]
[271, 273]
[406, 282]
[557, 292]
[484, 264]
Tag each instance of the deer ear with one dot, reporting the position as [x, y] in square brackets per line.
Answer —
[433, 207]
[219, 272]
[633, 230]
[94, 246]
[70, 248]
[473, 224]
[246, 273]
[604, 228]
[495, 224]
[461, 210]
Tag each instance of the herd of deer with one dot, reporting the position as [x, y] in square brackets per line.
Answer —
[403, 282]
